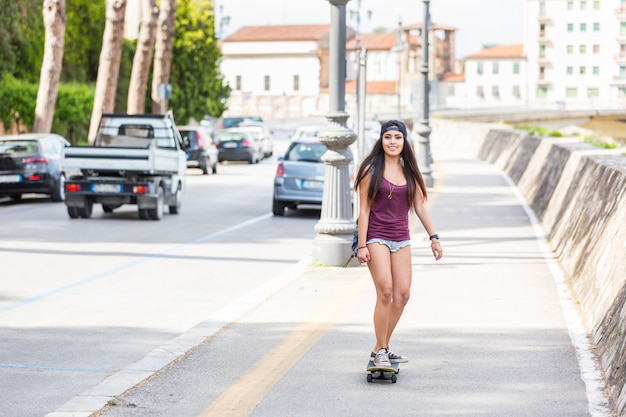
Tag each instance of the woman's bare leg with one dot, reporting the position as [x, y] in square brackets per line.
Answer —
[380, 269]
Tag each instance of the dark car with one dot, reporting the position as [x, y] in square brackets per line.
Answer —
[300, 175]
[32, 163]
[239, 145]
[200, 149]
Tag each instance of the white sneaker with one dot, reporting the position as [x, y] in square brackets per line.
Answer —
[381, 359]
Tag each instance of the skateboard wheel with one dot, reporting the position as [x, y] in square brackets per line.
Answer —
[369, 377]
[394, 378]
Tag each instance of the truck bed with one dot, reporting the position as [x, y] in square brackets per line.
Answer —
[151, 160]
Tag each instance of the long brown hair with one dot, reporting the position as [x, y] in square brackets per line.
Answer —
[374, 165]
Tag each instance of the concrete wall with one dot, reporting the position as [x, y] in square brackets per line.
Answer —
[578, 193]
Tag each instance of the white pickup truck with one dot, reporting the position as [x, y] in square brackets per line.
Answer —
[135, 159]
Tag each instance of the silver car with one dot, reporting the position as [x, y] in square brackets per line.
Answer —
[300, 175]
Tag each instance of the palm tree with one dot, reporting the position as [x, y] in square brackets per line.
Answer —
[163, 52]
[109, 65]
[54, 23]
[143, 57]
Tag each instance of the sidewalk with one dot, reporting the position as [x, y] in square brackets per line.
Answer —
[488, 330]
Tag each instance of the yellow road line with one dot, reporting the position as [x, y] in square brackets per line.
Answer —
[241, 398]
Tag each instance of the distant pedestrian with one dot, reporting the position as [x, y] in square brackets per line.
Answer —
[390, 185]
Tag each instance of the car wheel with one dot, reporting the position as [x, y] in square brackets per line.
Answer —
[143, 214]
[278, 208]
[157, 213]
[58, 193]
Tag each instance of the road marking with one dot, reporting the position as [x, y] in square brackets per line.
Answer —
[241, 398]
[129, 265]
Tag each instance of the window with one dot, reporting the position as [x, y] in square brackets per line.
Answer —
[296, 83]
[582, 49]
[542, 30]
[596, 27]
[542, 92]
[570, 70]
[622, 28]
[596, 70]
[542, 73]
[582, 70]
[516, 92]
[542, 8]
[621, 92]
[516, 68]
[583, 5]
[495, 69]
[542, 51]
[451, 91]
[479, 91]
[238, 83]
[596, 4]
[622, 72]
[479, 68]
[593, 92]
[267, 83]
[596, 49]
[570, 49]
[495, 91]
[570, 5]
[583, 27]
[570, 27]
[571, 92]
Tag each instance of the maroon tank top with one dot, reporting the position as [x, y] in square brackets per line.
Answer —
[389, 217]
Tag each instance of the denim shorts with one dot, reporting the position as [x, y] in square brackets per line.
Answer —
[393, 246]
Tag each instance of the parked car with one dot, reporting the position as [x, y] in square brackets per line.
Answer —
[200, 148]
[227, 122]
[266, 137]
[239, 145]
[300, 175]
[31, 163]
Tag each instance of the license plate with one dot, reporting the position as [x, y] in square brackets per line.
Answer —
[106, 188]
[10, 178]
[230, 145]
[312, 184]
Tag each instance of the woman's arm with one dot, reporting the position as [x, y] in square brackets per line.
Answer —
[363, 253]
[424, 215]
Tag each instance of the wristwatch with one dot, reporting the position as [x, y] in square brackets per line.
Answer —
[435, 236]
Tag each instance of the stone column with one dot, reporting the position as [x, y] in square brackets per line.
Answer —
[332, 245]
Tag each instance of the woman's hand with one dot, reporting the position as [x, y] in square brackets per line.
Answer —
[363, 255]
[437, 250]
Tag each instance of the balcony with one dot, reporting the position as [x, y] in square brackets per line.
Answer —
[619, 80]
[544, 17]
[620, 58]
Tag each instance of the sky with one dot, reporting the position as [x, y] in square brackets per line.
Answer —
[478, 23]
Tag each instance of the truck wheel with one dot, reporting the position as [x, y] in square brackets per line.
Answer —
[58, 192]
[86, 210]
[143, 214]
[175, 208]
[73, 212]
[107, 209]
[157, 213]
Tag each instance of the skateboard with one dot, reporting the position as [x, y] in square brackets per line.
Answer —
[385, 373]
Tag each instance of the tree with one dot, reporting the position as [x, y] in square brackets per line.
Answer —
[108, 69]
[163, 52]
[86, 20]
[143, 57]
[198, 89]
[54, 23]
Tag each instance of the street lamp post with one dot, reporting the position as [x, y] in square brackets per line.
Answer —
[399, 48]
[332, 245]
[422, 128]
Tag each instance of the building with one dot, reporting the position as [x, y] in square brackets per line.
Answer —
[576, 51]
[494, 77]
[282, 71]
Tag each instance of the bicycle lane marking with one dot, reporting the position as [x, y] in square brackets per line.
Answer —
[241, 398]
[140, 261]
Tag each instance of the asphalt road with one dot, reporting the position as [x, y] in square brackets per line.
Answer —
[82, 299]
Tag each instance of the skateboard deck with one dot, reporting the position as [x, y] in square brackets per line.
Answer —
[385, 373]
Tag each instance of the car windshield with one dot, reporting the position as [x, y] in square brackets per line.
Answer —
[16, 147]
[306, 152]
[231, 136]
[236, 121]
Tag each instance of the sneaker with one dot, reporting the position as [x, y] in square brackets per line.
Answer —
[393, 357]
[381, 359]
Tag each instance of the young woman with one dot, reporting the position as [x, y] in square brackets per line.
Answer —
[390, 185]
